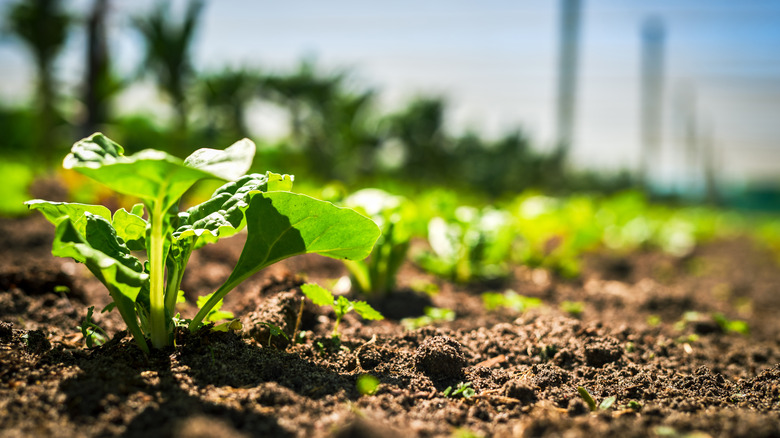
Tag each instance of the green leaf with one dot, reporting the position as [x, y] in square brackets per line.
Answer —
[587, 397]
[342, 306]
[223, 214]
[55, 212]
[284, 224]
[318, 294]
[152, 174]
[607, 403]
[99, 249]
[131, 228]
[109, 260]
[230, 163]
[366, 311]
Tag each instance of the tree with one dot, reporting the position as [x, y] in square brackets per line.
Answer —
[42, 26]
[226, 95]
[99, 83]
[168, 58]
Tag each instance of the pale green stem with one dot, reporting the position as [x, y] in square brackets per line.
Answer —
[159, 328]
[335, 333]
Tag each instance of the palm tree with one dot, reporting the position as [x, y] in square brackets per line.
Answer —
[99, 84]
[328, 122]
[420, 128]
[168, 55]
[226, 95]
[42, 26]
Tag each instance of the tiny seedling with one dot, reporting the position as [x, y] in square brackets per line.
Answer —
[604, 405]
[279, 224]
[573, 308]
[463, 389]
[431, 315]
[274, 330]
[731, 325]
[634, 405]
[341, 305]
[510, 300]
[367, 384]
[93, 333]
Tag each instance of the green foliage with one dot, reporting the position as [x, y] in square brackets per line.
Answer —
[341, 305]
[367, 384]
[279, 224]
[731, 325]
[274, 330]
[604, 405]
[377, 274]
[463, 389]
[431, 315]
[509, 300]
[93, 333]
[473, 245]
[573, 308]
[16, 178]
[215, 314]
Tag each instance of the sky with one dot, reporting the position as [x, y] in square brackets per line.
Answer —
[496, 64]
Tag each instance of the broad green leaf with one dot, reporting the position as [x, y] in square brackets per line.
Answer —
[109, 261]
[366, 311]
[317, 294]
[284, 224]
[104, 255]
[131, 228]
[229, 164]
[55, 212]
[152, 174]
[223, 214]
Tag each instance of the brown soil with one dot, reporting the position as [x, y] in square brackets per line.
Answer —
[671, 378]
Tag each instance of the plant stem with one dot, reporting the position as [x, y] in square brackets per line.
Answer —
[158, 329]
[335, 333]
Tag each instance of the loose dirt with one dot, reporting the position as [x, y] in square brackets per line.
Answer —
[649, 336]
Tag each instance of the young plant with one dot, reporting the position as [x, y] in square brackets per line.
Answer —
[377, 274]
[604, 405]
[463, 389]
[473, 246]
[341, 305]
[93, 333]
[279, 224]
[509, 300]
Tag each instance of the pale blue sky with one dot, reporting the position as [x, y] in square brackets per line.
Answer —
[495, 61]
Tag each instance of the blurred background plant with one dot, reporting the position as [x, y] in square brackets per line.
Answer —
[476, 202]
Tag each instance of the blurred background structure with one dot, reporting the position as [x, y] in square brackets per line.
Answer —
[680, 96]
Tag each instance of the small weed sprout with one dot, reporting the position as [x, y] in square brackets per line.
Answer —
[510, 300]
[274, 330]
[573, 308]
[431, 315]
[463, 389]
[367, 384]
[341, 305]
[604, 405]
[93, 333]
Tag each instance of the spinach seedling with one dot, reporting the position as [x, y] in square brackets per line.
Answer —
[279, 224]
[341, 305]
[377, 274]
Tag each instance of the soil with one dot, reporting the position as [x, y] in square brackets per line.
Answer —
[672, 372]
